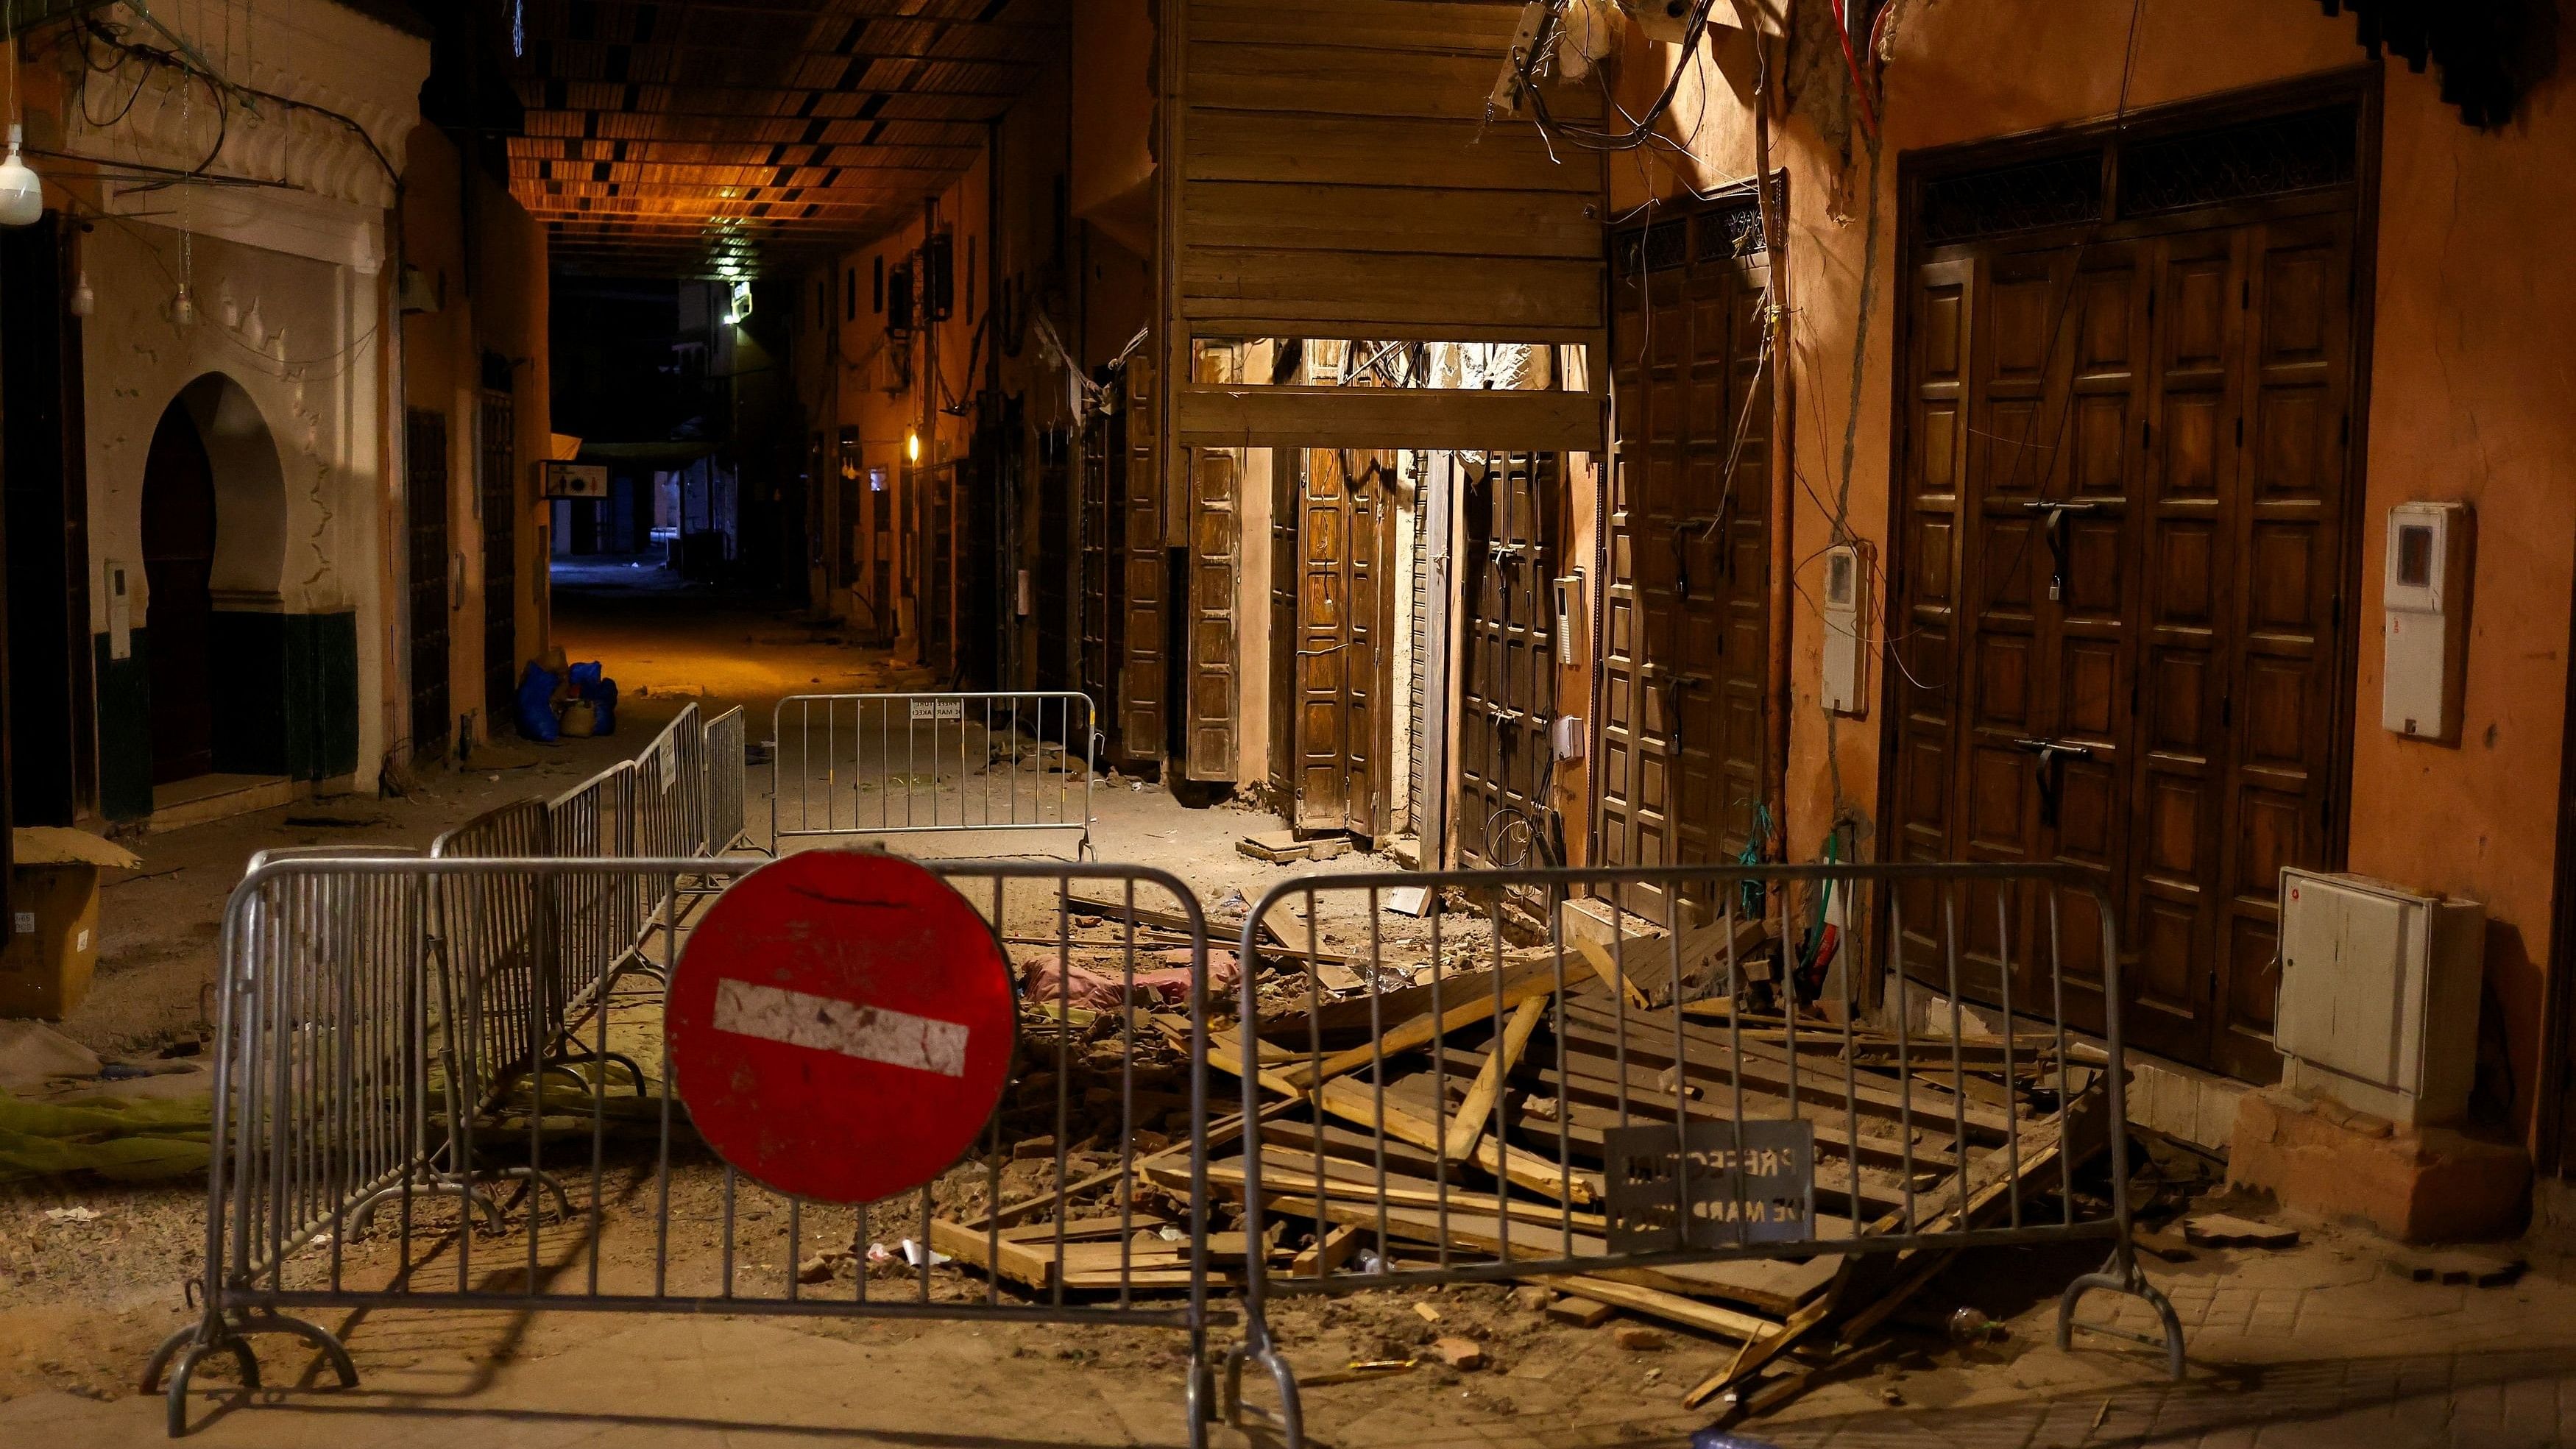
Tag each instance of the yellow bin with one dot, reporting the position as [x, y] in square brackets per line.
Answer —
[53, 919]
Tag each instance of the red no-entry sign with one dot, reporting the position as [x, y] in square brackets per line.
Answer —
[840, 1025]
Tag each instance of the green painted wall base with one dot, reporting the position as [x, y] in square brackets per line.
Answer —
[286, 703]
[124, 731]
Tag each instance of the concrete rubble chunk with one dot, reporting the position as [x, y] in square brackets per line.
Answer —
[1463, 1354]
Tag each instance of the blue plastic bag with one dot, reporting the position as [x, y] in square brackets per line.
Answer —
[537, 706]
[600, 692]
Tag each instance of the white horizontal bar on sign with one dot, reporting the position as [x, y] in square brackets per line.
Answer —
[826, 1023]
[1388, 417]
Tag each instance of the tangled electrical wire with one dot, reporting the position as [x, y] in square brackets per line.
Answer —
[92, 35]
[1640, 130]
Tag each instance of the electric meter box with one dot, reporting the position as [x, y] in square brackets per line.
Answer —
[2425, 600]
[1846, 681]
[2379, 993]
[1569, 618]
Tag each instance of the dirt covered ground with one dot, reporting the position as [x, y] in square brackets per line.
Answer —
[2322, 1343]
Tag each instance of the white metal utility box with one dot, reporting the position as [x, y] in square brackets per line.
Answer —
[2379, 995]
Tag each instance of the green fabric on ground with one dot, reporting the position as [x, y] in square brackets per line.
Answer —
[141, 1141]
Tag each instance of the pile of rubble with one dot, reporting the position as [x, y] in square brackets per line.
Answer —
[1467, 1113]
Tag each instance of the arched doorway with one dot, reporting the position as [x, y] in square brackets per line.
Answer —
[178, 568]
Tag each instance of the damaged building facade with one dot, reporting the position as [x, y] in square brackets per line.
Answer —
[2174, 495]
[1504, 478]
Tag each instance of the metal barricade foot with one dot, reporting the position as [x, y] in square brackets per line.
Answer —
[313, 1333]
[2123, 1275]
[529, 1180]
[362, 1214]
[571, 1057]
[191, 1345]
[1289, 1420]
[175, 1400]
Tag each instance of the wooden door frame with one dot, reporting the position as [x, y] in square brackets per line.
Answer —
[2362, 85]
[2550, 1119]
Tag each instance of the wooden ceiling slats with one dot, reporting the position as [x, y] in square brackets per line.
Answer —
[683, 137]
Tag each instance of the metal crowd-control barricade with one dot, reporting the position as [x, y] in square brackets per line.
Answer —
[1601, 1113]
[881, 765]
[728, 823]
[669, 806]
[598, 918]
[339, 1109]
[496, 935]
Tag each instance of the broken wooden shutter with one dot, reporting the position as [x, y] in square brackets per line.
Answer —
[1342, 181]
[1337, 177]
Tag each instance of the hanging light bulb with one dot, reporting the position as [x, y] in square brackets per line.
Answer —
[84, 301]
[22, 192]
[183, 308]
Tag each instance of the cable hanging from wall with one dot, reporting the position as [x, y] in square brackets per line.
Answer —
[1640, 131]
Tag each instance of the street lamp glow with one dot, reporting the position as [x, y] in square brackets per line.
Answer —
[912, 446]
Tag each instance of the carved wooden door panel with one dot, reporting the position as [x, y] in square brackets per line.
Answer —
[2088, 579]
[1287, 586]
[2048, 382]
[1507, 674]
[1926, 628]
[1100, 601]
[2190, 557]
[1336, 641]
[2280, 695]
[1140, 637]
[1686, 597]
[2005, 711]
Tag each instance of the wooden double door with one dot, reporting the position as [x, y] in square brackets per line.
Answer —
[2124, 501]
[1687, 598]
[1329, 594]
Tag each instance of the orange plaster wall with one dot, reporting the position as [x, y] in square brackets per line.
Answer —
[2470, 388]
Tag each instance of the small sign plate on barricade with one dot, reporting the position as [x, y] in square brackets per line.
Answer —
[1759, 1188]
[939, 709]
[841, 1026]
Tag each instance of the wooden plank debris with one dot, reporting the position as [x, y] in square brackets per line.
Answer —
[1467, 1128]
[1470, 1119]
